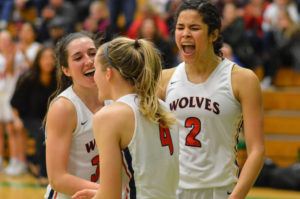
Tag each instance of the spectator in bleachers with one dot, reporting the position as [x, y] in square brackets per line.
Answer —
[8, 66]
[271, 18]
[82, 8]
[39, 5]
[270, 24]
[23, 11]
[160, 5]
[30, 103]
[118, 7]
[271, 13]
[234, 33]
[27, 46]
[148, 11]
[253, 17]
[56, 31]
[286, 49]
[149, 31]
[220, 4]
[228, 53]
[6, 7]
[60, 10]
[98, 19]
[168, 15]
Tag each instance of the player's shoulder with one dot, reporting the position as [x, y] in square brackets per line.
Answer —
[117, 112]
[241, 74]
[167, 74]
[164, 81]
[244, 81]
[62, 106]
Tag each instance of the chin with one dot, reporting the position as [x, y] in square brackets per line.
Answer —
[188, 60]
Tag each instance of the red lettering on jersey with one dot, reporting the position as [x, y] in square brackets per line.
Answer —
[165, 138]
[95, 162]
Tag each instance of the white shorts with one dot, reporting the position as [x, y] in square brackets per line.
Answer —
[6, 113]
[211, 193]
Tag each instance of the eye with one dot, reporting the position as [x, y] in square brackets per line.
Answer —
[77, 58]
[93, 54]
[179, 28]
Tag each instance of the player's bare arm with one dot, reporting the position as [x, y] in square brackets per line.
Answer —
[61, 123]
[247, 91]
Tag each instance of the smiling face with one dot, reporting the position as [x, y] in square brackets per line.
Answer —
[81, 54]
[192, 36]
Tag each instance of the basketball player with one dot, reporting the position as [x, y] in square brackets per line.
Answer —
[135, 132]
[212, 99]
[71, 154]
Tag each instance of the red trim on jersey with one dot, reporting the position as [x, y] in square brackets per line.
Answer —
[55, 195]
[128, 174]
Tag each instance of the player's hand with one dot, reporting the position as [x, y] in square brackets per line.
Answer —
[84, 194]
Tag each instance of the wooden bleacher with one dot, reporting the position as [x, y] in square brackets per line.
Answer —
[281, 119]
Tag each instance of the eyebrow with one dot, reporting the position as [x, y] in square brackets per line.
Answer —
[191, 25]
[77, 53]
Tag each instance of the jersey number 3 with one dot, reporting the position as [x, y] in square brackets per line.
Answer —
[165, 138]
[195, 124]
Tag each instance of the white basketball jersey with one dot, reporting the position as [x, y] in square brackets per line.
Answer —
[84, 156]
[209, 118]
[150, 162]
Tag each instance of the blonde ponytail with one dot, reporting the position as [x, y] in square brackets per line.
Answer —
[138, 61]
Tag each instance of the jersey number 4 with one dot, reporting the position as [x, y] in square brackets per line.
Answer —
[195, 124]
[166, 139]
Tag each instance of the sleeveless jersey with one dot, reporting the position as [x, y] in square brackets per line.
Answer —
[150, 162]
[83, 157]
[209, 119]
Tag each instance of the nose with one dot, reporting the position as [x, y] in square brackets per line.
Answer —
[89, 60]
[186, 32]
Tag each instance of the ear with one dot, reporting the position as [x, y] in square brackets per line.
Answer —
[109, 73]
[214, 35]
[66, 71]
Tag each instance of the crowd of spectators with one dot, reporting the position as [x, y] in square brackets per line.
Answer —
[257, 33]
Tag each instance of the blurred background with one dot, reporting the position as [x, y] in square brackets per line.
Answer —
[262, 35]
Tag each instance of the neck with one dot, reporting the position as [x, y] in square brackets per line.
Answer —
[45, 78]
[122, 89]
[200, 70]
[205, 64]
[89, 96]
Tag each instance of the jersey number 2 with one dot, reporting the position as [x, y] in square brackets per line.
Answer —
[165, 138]
[195, 124]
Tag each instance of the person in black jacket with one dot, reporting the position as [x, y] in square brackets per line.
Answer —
[167, 48]
[30, 100]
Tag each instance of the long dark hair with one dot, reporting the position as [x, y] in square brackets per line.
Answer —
[61, 56]
[33, 73]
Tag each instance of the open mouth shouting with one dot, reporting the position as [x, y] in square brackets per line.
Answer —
[188, 48]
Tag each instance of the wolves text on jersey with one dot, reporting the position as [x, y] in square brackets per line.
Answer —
[90, 146]
[195, 102]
